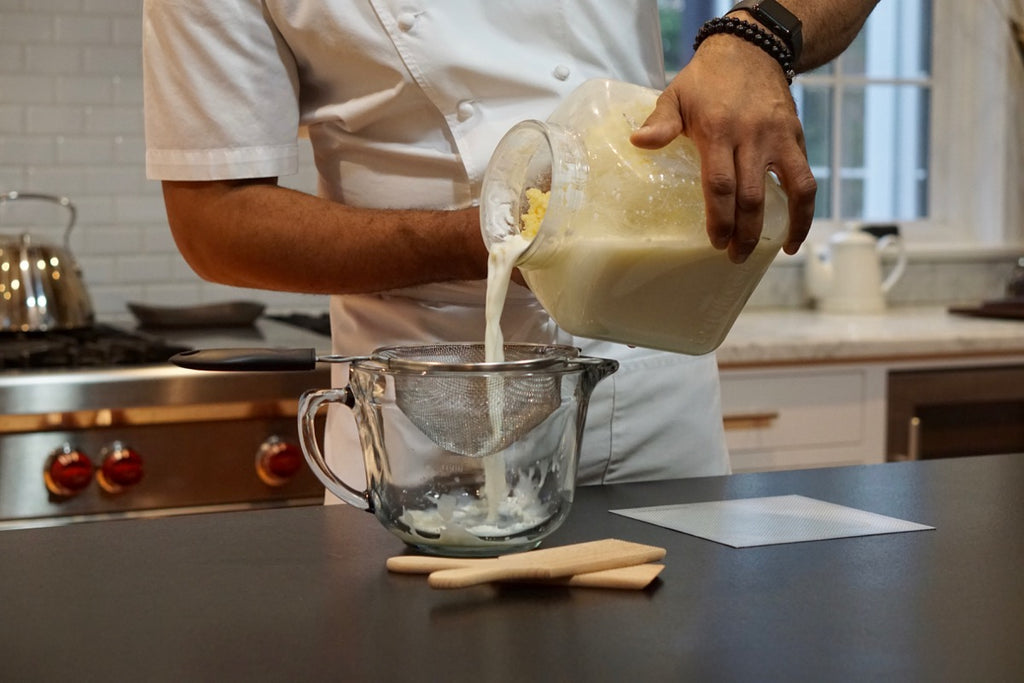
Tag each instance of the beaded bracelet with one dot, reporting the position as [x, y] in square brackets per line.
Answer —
[753, 34]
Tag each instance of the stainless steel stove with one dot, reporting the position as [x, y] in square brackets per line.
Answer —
[96, 424]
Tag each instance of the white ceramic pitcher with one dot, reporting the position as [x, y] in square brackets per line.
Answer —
[846, 275]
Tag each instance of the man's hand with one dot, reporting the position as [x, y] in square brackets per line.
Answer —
[732, 100]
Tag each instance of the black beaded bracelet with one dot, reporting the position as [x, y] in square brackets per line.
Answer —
[753, 34]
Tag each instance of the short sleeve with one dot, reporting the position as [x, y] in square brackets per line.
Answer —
[221, 92]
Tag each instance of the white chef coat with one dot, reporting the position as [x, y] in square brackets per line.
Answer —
[404, 102]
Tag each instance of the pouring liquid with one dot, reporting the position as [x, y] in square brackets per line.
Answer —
[500, 263]
[468, 525]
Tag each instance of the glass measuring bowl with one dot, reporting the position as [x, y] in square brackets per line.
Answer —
[452, 465]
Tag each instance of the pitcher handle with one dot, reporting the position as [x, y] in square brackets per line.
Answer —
[309, 404]
[889, 242]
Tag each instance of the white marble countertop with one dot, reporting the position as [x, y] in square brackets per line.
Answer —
[794, 336]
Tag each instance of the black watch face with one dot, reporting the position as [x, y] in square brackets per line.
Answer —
[777, 19]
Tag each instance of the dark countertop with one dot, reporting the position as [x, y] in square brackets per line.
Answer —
[302, 594]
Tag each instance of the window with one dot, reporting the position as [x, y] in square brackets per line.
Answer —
[866, 119]
[898, 133]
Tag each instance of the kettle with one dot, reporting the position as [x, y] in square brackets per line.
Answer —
[41, 287]
[846, 275]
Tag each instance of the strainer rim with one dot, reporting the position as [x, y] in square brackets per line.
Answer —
[549, 356]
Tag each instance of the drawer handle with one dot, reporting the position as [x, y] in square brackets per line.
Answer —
[750, 420]
[914, 439]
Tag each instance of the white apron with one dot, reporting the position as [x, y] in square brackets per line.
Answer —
[404, 101]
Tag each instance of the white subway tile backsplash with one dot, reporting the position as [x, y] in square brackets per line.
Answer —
[112, 60]
[50, 6]
[111, 299]
[26, 89]
[113, 7]
[151, 187]
[112, 240]
[139, 209]
[143, 267]
[93, 211]
[11, 179]
[11, 58]
[130, 149]
[54, 119]
[69, 181]
[31, 149]
[53, 59]
[12, 118]
[97, 270]
[79, 29]
[84, 151]
[26, 28]
[157, 238]
[83, 90]
[170, 294]
[43, 218]
[181, 271]
[113, 120]
[120, 181]
[127, 30]
[127, 90]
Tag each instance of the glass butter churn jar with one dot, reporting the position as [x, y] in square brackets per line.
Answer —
[612, 237]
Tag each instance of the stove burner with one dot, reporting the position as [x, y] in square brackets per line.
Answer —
[96, 347]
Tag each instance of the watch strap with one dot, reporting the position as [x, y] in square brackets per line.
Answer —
[780, 21]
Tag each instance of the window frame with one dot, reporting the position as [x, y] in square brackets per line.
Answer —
[978, 87]
[975, 210]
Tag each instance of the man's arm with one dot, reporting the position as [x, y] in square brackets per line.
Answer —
[231, 232]
[733, 101]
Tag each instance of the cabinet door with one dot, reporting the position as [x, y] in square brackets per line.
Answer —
[795, 417]
[951, 412]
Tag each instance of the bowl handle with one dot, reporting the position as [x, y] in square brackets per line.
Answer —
[309, 404]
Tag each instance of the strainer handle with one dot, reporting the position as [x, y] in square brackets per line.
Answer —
[309, 404]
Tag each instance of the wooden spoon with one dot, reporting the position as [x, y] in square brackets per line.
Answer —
[564, 564]
[634, 577]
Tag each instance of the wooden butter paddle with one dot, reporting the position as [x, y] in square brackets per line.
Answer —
[634, 577]
[563, 564]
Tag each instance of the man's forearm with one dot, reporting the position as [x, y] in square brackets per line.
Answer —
[256, 234]
[829, 26]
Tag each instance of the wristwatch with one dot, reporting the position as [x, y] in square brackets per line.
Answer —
[776, 19]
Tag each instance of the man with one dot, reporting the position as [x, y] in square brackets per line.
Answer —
[404, 102]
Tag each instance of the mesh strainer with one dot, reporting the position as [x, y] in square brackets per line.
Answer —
[460, 402]
[471, 407]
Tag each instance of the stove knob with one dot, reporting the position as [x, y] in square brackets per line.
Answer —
[121, 468]
[277, 461]
[68, 471]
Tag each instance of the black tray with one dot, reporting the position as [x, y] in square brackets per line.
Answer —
[225, 314]
[994, 308]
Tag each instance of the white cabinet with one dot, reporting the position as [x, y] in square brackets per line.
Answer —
[810, 416]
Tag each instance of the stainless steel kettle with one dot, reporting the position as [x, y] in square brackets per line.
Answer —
[41, 286]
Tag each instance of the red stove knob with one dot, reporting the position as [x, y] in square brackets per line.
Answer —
[121, 468]
[67, 472]
[277, 461]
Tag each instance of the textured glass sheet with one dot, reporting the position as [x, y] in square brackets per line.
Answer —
[769, 521]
